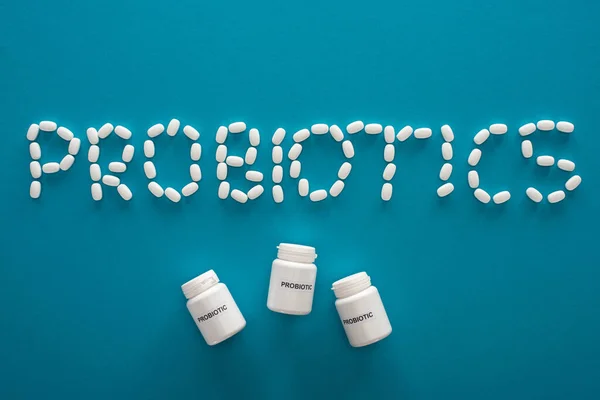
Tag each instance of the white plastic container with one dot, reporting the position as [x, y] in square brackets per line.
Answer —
[211, 305]
[293, 276]
[361, 310]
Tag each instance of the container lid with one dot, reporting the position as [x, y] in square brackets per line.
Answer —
[296, 253]
[350, 285]
[199, 284]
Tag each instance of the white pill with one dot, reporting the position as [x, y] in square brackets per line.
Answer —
[195, 151]
[156, 130]
[527, 148]
[319, 129]
[124, 192]
[237, 127]
[545, 161]
[191, 132]
[96, 191]
[92, 135]
[35, 189]
[422, 133]
[445, 189]
[66, 162]
[404, 133]
[446, 171]
[501, 197]
[447, 152]
[482, 196]
[498, 129]
[224, 190]
[344, 170]
[534, 194]
[336, 188]
[117, 166]
[51, 167]
[254, 137]
[389, 172]
[93, 153]
[318, 195]
[173, 127]
[295, 169]
[277, 174]
[473, 178]
[35, 168]
[251, 154]
[155, 189]
[33, 132]
[195, 172]
[373, 129]
[255, 192]
[386, 191]
[565, 127]
[278, 136]
[556, 197]
[149, 148]
[74, 146]
[234, 161]
[474, 157]
[481, 136]
[95, 172]
[221, 153]
[566, 165]
[172, 195]
[105, 130]
[348, 149]
[301, 135]
[189, 189]
[278, 194]
[64, 133]
[389, 152]
[47, 126]
[221, 135]
[295, 151]
[111, 180]
[149, 170]
[389, 134]
[303, 187]
[447, 133]
[277, 154]
[573, 182]
[239, 196]
[545, 125]
[336, 133]
[527, 129]
[35, 151]
[222, 171]
[122, 132]
[254, 176]
[355, 127]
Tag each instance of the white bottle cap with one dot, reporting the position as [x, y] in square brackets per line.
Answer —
[296, 253]
[351, 285]
[199, 284]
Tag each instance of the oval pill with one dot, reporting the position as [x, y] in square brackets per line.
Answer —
[545, 125]
[498, 129]
[117, 166]
[222, 171]
[447, 133]
[51, 167]
[336, 133]
[295, 169]
[189, 189]
[566, 165]
[565, 127]
[389, 172]
[318, 195]
[149, 148]
[191, 132]
[373, 129]
[195, 172]
[277, 154]
[111, 180]
[223, 190]
[92, 135]
[74, 146]
[221, 153]
[527, 148]
[173, 127]
[254, 136]
[389, 134]
[482, 196]
[237, 127]
[66, 162]
[301, 135]
[447, 152]
[527, 129]
[474, 157]
[35, 151]
[481, 136]
[221, 135]
[234, 161]
[336, 188]
[278, 194]
[404, 133]
[446, 171]
[33, 132]
[35, 189]
[154, 130]
[47, 126]
[389, 152]
[105, 130]
[277, 174]
[295, 151]
[278, 136]
[96, 191]
[573, 182]
[501, 197]
[255, 192]
[422, 133]
[123, 132]
[534, 194]
[355, 127]
[556, 197]
[65, 133]
[195, 151]
[35, 168]
[172, 195]
[473, 178]
[95, 172]
[545, 161]
[239, 196]
[344, 170]
[149, 170]
[303, 187]
[319, 129]
[445, 189]
[348, 149]
[251, 154]
[124, 192]
[93, 153]
[386, 191]
[254, 176]
[155, 189]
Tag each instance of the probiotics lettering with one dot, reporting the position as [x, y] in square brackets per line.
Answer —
[213, 313]
[358, 319]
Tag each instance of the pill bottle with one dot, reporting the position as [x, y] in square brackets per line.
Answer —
[293, 275]
[361, 311]
[211, 305]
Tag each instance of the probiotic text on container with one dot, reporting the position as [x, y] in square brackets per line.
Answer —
[212, 307]
[361, 310]
[293, 276]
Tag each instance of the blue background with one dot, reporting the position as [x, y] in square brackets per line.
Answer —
[486, 301]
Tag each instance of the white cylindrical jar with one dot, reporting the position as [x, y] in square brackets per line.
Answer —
[293, 276]
[361, 311]
[211, 305]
